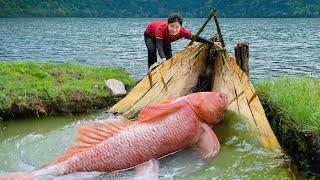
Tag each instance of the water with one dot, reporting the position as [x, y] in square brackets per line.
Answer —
[278, 47]
[30, 144]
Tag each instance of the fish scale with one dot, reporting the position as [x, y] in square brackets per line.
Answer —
[172, 132]
[158, 131]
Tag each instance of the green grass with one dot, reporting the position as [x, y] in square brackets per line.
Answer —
[298, 97]
[24, 86]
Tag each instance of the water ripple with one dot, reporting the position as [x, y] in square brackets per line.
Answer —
[278, 47]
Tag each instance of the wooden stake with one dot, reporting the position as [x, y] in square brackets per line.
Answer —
[242, 56]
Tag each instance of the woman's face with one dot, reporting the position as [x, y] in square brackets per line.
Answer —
[174, 28]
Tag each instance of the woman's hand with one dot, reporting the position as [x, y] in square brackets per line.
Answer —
[156, 64]
[162, 60]
[218, 46]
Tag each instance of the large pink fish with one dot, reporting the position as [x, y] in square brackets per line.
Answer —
[113, 145]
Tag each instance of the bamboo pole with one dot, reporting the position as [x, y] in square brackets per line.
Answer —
[212, 13]
[218, 30]
[234, 82]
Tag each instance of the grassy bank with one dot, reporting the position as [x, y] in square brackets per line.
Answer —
[292, 106]
[298, 97]
[33, 89]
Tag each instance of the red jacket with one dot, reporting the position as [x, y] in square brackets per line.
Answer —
[159, 30]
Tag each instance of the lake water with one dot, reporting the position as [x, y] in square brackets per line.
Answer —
[278, 47]
[27, 145]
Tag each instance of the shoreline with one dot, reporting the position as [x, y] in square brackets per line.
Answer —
[300, 140]
[29, 89]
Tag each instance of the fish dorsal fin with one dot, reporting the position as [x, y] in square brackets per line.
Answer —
[93, 133]
[158, 112]
[171, 100]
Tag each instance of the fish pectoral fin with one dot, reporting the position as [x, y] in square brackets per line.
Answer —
[147, 170]
[93, 133]
[208, 144]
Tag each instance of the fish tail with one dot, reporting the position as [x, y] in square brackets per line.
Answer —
[17, 176]
[49, 171]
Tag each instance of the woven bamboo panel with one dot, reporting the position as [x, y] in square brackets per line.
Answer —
[172, 78]
[230, 79]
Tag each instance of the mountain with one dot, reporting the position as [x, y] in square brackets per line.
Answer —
[159, 8]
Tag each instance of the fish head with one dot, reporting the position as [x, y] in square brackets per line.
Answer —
[209, 106]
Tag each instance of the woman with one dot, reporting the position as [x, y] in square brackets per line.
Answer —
[158, 36]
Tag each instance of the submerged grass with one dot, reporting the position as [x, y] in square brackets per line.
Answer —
[298, 98]
[36, 87]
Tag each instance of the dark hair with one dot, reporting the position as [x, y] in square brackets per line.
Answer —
[175, 17]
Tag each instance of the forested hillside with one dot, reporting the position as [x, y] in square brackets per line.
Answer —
[158, 8]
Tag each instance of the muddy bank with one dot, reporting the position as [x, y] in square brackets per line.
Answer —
[29, 89]
[302, 146]
[78, 104]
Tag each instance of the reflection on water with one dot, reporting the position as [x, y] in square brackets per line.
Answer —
[29, 144]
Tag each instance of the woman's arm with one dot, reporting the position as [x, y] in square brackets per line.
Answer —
[217, 45]
[203, 40]
[159, 46]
